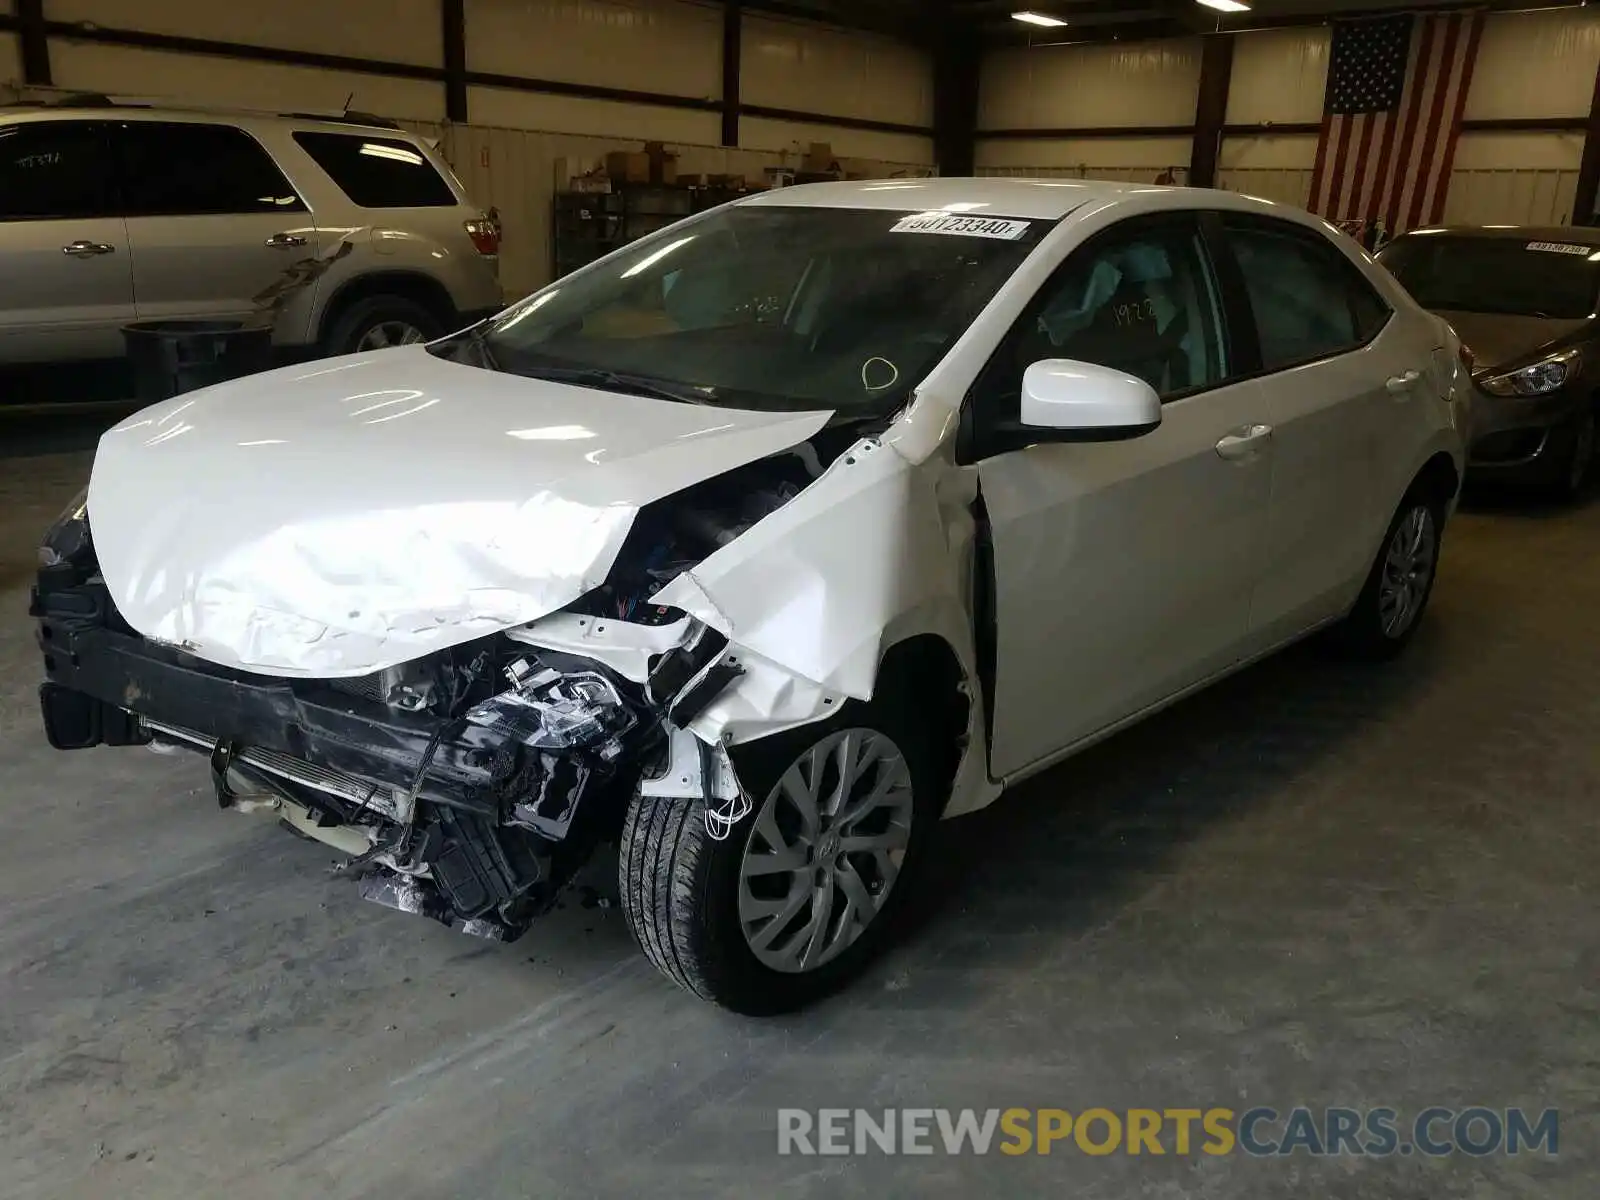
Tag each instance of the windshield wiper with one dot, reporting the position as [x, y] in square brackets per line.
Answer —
[620, 381]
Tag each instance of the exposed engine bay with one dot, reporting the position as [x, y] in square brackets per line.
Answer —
[468, 785]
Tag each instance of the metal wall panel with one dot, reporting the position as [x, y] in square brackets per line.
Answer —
[205, 81]
[761, 133]
[1272, 151]
[1065, 87]
[1556, 150]
[595, 118]
[394, 30]
[1093, 155]
[1279, 75]
[668, 46]
[1510, 197]
[1535, 64]
[812, 68]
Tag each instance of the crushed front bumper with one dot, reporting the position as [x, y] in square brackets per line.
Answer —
[464, 826]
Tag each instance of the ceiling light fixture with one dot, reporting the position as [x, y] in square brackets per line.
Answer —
[1033, 18]
[1226, 5]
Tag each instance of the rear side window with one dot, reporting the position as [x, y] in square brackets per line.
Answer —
[54, 169]
[378, 172]
[172, 168]
[1308, 300]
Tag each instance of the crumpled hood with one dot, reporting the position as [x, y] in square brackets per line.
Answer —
[338, 518]
[1499, 340]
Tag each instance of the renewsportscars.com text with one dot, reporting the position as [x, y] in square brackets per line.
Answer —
[1258, 1132]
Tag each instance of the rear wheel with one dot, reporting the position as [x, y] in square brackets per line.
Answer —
[805, 890]
[379, 322]
[1395, 596]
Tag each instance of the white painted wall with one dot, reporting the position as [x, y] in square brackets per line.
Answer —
[1063, 87]
[1535, 64]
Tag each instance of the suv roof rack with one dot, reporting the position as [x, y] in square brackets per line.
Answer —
[75, 100]
[348, 117]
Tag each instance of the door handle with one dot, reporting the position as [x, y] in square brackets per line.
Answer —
[1400, 385]
[1248, 442]
[283, 241]
[87, 249]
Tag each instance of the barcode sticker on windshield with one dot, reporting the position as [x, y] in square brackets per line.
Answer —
[957, 225]
[1561, 248]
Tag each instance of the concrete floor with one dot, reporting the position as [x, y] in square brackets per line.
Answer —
[1317, 885]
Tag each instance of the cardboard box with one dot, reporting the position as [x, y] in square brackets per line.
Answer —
[628, 166]
[819, 159]
[663, 166]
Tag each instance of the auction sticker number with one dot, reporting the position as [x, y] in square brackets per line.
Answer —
[1561, 248]
[959, 226]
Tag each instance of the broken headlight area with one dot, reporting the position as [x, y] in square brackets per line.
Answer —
[470, 784]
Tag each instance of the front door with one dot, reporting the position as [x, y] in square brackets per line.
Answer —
[66, 278]
[1123, 570]
[215, 226]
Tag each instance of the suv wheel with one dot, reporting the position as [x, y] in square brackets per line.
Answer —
[805, 890]
[378, 322]
[1392, 602]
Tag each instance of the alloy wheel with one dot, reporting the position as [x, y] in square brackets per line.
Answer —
[1407, 571]
[825, 850]
[390, 333]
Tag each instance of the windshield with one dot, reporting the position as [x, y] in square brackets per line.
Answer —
[1529, 278]
[767, 307]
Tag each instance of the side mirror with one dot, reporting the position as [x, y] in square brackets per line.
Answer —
[1064, 400]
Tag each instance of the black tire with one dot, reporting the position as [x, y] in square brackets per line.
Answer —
[352, 326]
[1363, 633]
[1577, 459]
[680, 887]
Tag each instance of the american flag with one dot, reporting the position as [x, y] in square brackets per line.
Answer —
[1396, 88]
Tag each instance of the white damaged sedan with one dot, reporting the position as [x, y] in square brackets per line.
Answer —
[760, 546]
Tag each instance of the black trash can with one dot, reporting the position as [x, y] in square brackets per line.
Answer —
[171, 357]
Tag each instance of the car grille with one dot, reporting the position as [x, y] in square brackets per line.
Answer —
[366, 687]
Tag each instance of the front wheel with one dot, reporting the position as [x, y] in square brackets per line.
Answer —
[1396, 593]
[805, 889]
[1575, 467]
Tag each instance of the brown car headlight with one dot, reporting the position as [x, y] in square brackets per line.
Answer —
[1539, 379]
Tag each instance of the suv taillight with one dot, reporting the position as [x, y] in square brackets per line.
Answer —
[485, 234]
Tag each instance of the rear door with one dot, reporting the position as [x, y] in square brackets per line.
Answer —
[66, 283]
[215, 227]
[1339, 364]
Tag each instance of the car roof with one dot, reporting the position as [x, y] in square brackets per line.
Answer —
[332, 122]
[1032, 199]
[1578, 235]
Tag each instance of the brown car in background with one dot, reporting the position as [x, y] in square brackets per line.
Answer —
[1524, 301]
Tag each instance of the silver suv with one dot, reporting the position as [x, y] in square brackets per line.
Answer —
[342, 236]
